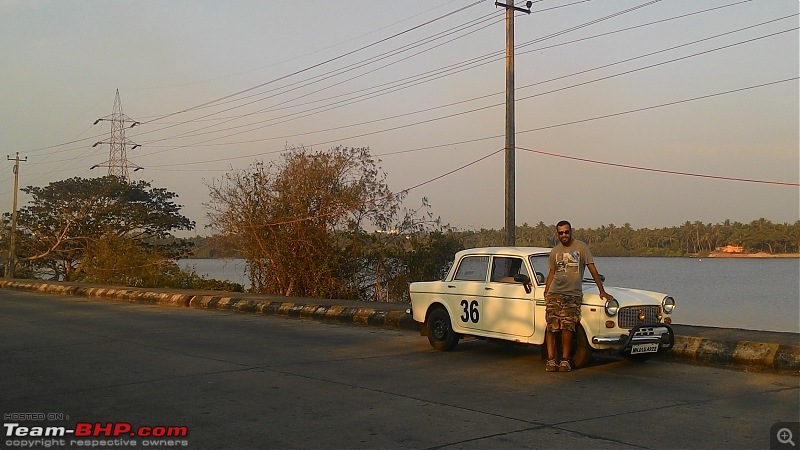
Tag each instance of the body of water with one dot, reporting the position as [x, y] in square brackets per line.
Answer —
[748, 293]
[230, 269]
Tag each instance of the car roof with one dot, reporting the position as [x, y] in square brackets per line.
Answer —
[510, 251]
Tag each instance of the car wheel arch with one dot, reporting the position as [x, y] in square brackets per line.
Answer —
[438, 304]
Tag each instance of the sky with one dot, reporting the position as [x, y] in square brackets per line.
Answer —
[651, 113]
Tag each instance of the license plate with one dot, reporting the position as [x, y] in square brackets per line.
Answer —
[643, 348]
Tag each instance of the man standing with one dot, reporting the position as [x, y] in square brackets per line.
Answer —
[563, 294]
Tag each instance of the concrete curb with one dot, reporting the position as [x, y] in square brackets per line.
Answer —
[227, 301]
[753, 355]
[780, 356]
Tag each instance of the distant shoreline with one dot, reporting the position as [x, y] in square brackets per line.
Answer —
[710, 255]
[752, 255]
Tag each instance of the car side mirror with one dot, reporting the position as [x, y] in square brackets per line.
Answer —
[525, 280]
[522, 278]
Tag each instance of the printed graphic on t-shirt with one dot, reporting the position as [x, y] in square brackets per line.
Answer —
[568, 262]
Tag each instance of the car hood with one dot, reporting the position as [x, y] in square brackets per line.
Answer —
[625, 296]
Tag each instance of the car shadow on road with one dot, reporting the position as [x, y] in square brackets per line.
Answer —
[506, 350]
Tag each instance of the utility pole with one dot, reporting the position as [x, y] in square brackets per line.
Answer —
[510, 148]
[12, 252]
[117, 162]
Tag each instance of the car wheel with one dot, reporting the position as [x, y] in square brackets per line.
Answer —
[638, 358]
[581, 350]
[440, 331]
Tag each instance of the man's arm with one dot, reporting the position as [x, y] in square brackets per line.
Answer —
[598, 282]
[550, 276]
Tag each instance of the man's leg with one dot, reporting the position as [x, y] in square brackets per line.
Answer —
[566, 344]
[550, 344]
[571, 319]
[552, 321]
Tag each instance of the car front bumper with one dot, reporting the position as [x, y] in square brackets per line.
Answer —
[658, 333]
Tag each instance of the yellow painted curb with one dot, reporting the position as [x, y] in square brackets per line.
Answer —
[362, 315]
[755, 353]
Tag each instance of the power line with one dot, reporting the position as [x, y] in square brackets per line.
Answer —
[379, 57]
[327, 61]
[664, 171]
[481, 97]
[374, 200]
[574, 122]
[325, 76]
[471, 111]
[210, 102]
[591, 22]
[540, 152]
[309, 53]
[646, 108]
[476, 98]
[499, 104]
[429, 39]
[586, 120]
[682, 16]
[488, 55]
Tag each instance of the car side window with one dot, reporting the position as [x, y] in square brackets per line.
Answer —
[504, 268]
[472, 268]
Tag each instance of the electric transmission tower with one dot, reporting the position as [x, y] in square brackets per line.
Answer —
[117, 162]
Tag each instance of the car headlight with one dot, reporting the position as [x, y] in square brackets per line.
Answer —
[668, 304]
[612, 306]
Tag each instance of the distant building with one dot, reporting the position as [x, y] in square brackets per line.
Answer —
[732, 249]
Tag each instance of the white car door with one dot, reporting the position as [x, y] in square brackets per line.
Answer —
[507, 309]
[465, 293]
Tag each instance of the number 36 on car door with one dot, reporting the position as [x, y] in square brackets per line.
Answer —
[470, 311]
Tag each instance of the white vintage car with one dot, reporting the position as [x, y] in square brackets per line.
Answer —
[497, 293]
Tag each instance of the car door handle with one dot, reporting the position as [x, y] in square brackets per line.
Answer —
[488, 289]
[450, 286]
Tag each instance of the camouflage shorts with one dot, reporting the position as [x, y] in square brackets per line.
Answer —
[562, 311]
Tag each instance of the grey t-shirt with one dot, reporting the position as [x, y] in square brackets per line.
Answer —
[568, 264]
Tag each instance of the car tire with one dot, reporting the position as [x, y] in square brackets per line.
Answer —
[581, 350]
[440, 331]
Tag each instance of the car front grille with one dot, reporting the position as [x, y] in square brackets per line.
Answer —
[629, 317]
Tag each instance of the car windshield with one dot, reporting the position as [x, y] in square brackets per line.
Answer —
[539, 264]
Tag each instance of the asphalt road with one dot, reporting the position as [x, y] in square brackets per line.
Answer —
[250, 381]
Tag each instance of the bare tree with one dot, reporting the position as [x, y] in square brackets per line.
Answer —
[300, 222]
